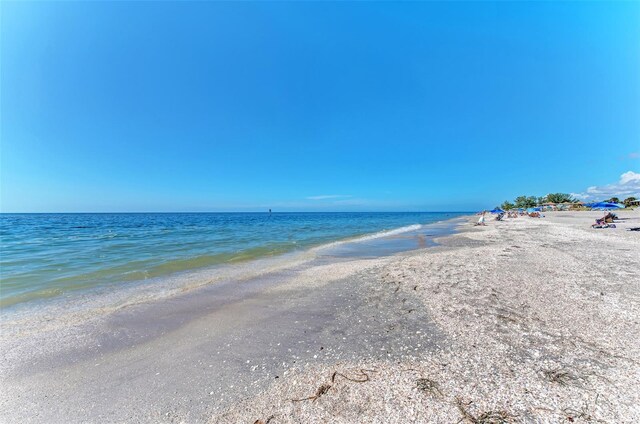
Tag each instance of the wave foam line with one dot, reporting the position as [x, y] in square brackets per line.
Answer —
[379, 234]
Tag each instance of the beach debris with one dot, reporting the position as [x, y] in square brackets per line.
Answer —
[560, 376]
[362, 378]
[267, 421]
[324, 388]
[427, 385]
[572, 415]
[507, 318]
[488, 417]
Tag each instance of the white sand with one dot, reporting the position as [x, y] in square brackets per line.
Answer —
[542, 322]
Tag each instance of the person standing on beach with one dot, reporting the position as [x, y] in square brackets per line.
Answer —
[481, 219]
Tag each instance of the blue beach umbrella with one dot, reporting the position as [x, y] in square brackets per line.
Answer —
[536, 209]
[497, 210]
[606, 206]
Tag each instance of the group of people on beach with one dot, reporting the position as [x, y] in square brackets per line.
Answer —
[508, 214]
[607, 221]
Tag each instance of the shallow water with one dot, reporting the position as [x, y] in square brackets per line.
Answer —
[46, 256]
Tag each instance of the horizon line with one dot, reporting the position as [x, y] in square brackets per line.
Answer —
[194, 212]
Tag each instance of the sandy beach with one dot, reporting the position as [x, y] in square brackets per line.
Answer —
[525, 320]
[266, 212]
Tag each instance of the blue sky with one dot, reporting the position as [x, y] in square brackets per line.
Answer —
[315, 106]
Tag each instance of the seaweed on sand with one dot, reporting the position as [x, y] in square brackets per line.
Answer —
[324, 388]
[264, 422]
[488, 417]
[561, 376]
[429, 386]
[363, 376]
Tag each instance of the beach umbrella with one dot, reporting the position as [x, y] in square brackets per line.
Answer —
[497, 210]
[606, 206]
[536, 209]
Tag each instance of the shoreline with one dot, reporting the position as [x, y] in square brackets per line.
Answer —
[206, 282]
[34, 348]
[163, 286]
[403, 316]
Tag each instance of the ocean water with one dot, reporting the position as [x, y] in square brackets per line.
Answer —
[46, 256]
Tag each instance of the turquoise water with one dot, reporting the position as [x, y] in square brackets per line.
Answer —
[50, 255]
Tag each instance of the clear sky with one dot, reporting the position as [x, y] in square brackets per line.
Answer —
[315, 106]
